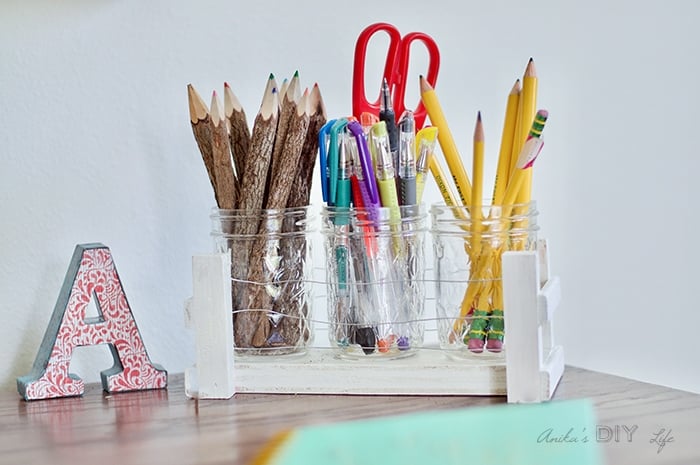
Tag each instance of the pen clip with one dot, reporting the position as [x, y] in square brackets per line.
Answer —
[365, 161]
[323, 157]
[333, 161]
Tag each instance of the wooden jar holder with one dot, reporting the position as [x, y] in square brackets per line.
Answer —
[528, 372]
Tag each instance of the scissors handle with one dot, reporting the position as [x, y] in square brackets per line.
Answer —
[398, 81]
[360, 103]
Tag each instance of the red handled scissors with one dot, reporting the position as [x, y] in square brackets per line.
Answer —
[395, 70]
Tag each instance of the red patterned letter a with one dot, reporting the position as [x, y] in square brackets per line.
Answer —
[91, 274]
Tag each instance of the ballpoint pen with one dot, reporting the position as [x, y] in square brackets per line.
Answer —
[407, 159]
[425, 146]
[386, 114]
[341, 221]
[384, 171]
[368, 182]
[333, 162]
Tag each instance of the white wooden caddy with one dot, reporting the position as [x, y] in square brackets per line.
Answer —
[529, 371]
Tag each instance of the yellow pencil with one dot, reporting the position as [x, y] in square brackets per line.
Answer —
[528, 109]
[447, 143]
[477, 186]
[504, 155]
[523, 165]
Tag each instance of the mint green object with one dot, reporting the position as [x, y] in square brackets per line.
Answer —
[553, 433]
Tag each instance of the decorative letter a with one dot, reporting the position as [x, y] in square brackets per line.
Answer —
[91, 274]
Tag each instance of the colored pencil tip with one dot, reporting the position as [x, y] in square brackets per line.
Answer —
[213, 94]
[296, 73]
[478, 116]
[226, 85]
[315, 84]
[272, 76]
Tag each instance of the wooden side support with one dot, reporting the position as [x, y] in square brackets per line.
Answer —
[209, 312]
[534, 364]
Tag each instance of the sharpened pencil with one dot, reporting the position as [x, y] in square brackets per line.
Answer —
[226, 184]
[239, 132]
[200, 120]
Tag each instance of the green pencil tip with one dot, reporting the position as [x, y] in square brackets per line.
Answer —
[272, 76]
[296, 73]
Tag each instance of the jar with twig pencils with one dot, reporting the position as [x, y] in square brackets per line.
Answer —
[467, 251]
[271, 267]
[375, 267]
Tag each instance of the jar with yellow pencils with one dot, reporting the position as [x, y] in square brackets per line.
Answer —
[468, 246]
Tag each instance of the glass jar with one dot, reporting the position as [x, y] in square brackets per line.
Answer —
[271, 277]
[467, 252]
[375, 270]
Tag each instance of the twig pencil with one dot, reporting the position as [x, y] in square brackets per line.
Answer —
[199, 118]
[282, 182]
[280, 186]
[447, 143]
[301, 189]
[288, 106]
[283, 89]
[259, 155]
[271, 84]
[293, 250]
[289, 154]
[251, 200]
[226, 184]
[239, 132]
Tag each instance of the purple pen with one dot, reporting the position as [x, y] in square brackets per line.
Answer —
[370, 191]
[365, 161]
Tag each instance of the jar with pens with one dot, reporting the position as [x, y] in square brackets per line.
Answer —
[374, 238]
[375, 280]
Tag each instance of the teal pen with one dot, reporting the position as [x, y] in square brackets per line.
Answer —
[341, 221]
[407, 159]
[333, 147]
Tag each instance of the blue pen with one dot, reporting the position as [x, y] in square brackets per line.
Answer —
[323, 157]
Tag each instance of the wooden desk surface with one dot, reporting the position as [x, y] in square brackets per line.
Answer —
[164, 427]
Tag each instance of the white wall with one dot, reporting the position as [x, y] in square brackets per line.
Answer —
[96, 145]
